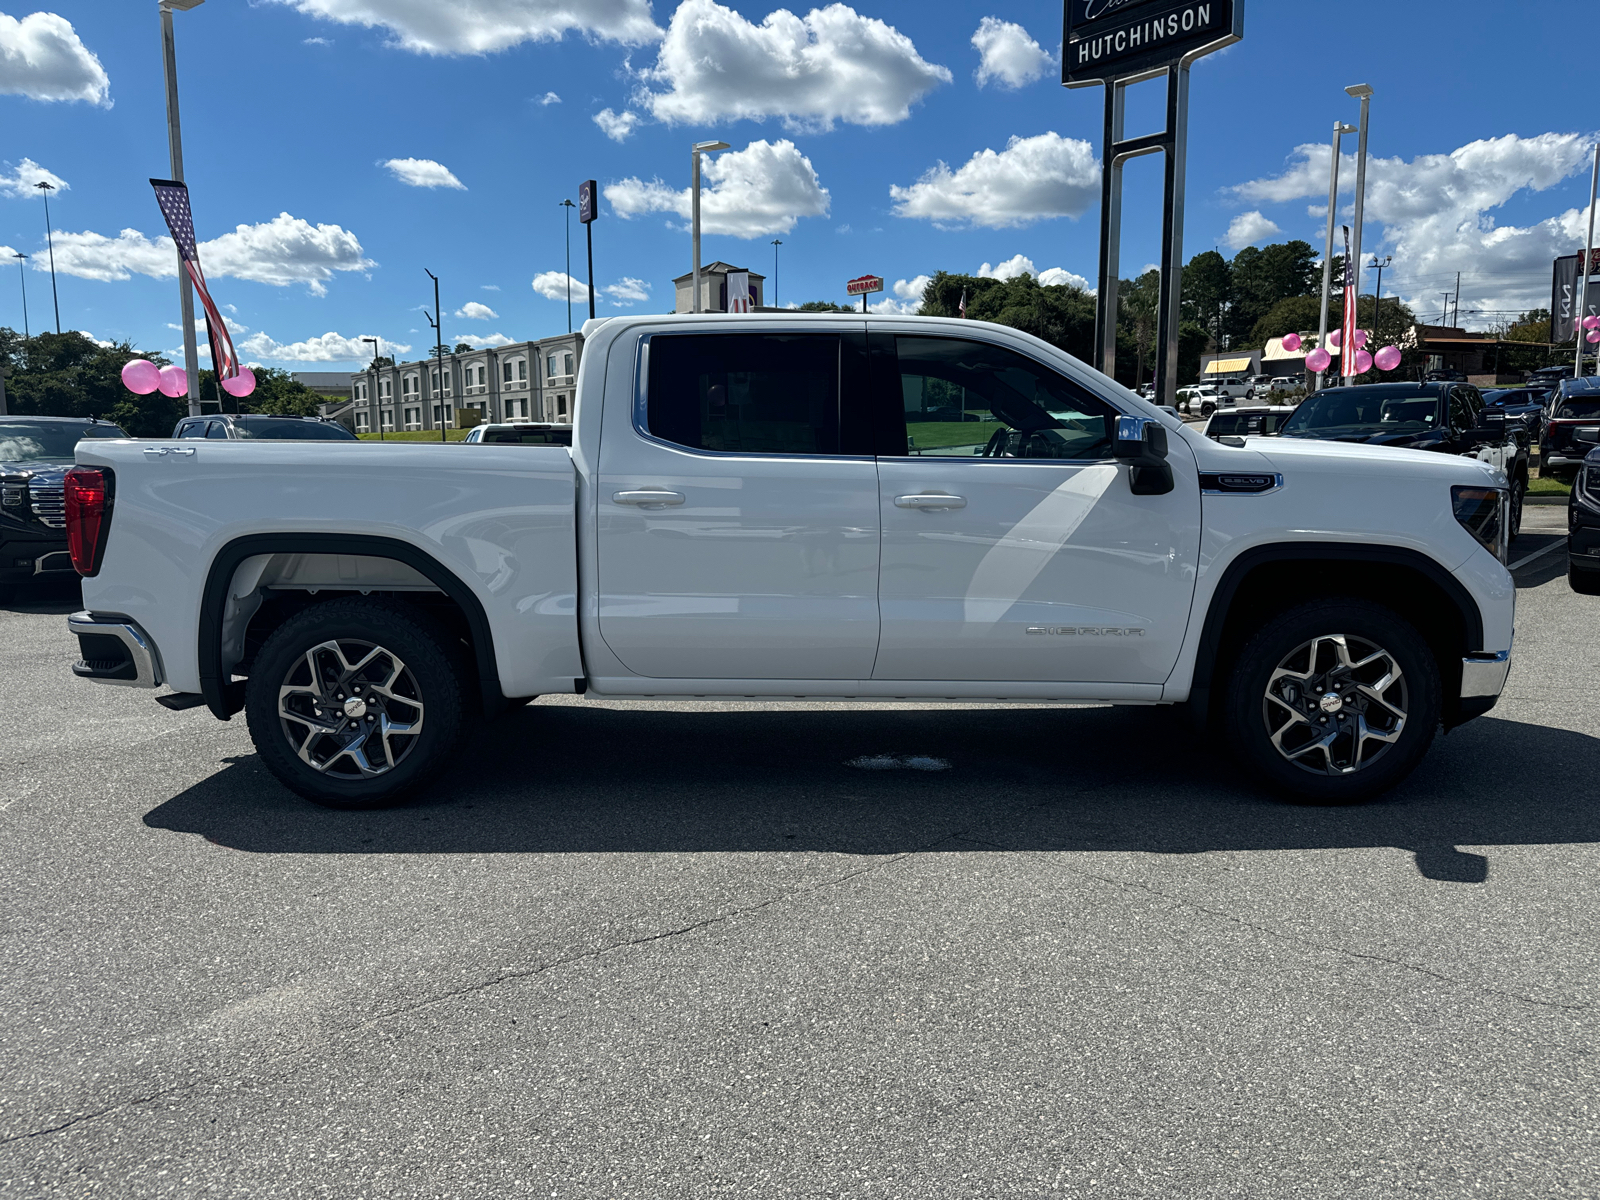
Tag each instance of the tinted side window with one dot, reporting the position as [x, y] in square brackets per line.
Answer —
[966, 399]
[745, 393]
[217, 429]
[1460, 410]
[192, 429]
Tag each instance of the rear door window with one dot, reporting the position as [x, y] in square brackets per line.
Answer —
[745, 393]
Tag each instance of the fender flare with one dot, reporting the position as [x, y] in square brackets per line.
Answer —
[224, 698]
[1235, 573]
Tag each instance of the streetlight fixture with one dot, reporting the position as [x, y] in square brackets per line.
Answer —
[22, 274]
[438, 348]
[1363, 93]
[46, 187]
[175, 151]
[1339, 130]
[374, 401]
[569, 206]
[1377, 295]
[695, 152]
[775, 244]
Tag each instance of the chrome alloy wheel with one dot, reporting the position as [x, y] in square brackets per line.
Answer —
[350, 709]
[1335, 704]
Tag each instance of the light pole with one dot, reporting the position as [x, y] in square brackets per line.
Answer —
[1339, 130]
[1583, 272]
[1363, 93]
[695, 152]
[374, 401]
[775, 244]
[569, 206]
[175, 151]
[22, 274]
[438, 348]
[46, 187]
[1377, 295]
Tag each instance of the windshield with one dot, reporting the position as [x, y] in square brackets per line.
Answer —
[278, 430]
[1579, 409]
[1366, 410]
[1243, 424]
[27, 441]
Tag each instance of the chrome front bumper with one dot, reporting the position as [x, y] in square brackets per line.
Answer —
[113, 649]
[1484, 674]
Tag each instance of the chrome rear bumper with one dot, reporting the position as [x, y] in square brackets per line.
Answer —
[113, 649]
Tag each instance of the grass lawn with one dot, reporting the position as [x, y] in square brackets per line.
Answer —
[415, 435]
[931, 435]
[1548, 487]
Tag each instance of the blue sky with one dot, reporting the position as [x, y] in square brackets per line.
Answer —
[839, 120]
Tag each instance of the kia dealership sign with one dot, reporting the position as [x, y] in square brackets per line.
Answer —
[1126, 39]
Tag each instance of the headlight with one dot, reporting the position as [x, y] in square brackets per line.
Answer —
[1588, 486]
[1484, 512]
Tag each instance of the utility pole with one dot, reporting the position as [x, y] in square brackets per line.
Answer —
[775, 244]
[23, 275]
[1377, 297]
[169, 57]
[569, 206]
[374, 401]
[46, 187]
[1444, 315]
[695, 151]
[1583, 271]
[1339, 130]
[1364, 93]
[1456, 306]
[438, 350]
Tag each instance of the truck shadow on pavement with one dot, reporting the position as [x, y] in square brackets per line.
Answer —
[599, 779]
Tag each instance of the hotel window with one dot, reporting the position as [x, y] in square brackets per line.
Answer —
[505, 370]
[550, 366]
[386, 420]
[413, 418]
[522, 369]
[561, 408]
[361, 422]
[447, 419]
[481, 383]
[566, 363]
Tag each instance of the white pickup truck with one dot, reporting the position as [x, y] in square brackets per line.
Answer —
[800, 507]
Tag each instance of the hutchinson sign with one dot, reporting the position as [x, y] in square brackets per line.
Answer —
[1132, 39]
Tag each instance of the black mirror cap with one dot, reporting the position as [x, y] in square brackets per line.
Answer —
[1151, 442]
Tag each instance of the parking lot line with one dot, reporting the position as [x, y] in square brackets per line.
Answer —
[1526, 559]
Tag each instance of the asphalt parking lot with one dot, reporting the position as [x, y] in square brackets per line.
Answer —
[645, 950]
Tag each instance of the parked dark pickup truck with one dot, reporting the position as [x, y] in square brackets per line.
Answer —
[1572, 429]
[35, 453]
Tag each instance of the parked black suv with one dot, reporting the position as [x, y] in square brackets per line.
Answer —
[1444, 416]
[260, 426]
[35, 453]
[1571, 427]
[1583, 527]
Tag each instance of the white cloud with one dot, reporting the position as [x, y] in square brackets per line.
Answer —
[1031, 179]
[423, 172]
[282, 251]
[907, 297]
[20, 184]
[330, 347]
[1434, 214]
[1061, 277]
[490, 287]
[42, 58]
[1007, 55]
[103, 343]
[1020, 264]
[830, 65]
[317, 41]
[473, 311]
[234, 327]
[617, 126]
[747, 193]
[479, 343]
[483, 26]
[549, 98]
[1249, 228]
[552, 285]
[627, 291]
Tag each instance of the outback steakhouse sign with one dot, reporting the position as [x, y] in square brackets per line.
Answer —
[863, 284]
[1114, 39]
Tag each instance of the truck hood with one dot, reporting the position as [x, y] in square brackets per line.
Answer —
[1364, 439]
[36, 468]
[1366, 459]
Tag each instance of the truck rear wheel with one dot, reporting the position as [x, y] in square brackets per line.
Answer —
[1334, 701]
[354, 702]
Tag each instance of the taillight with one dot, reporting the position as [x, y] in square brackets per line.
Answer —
[88, 502]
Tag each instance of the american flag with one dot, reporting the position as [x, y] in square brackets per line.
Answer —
[173, 197]
[961, 309]
[1347, 328]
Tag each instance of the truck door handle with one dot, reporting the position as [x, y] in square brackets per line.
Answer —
[648, 499]
[929, 502]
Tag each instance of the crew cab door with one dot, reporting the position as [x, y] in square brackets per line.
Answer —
[1013, 548]
[738, 509]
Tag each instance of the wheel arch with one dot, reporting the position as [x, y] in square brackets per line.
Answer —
[1268, 579]
[224, 698]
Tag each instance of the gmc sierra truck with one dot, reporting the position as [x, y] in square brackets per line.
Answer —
[803, 507]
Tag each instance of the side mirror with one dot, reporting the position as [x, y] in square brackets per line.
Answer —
[1491, 426]
[1142, 443]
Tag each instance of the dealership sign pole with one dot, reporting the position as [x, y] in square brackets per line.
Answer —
[1116, 43]
[864, 286]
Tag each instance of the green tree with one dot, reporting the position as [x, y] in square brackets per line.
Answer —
[824, 306]
[67, 375]
[462, 348]
[277, 393]
[1207, 290]
[1261, 278]
[1139, 301]
[1060, 314]
[1293, 314]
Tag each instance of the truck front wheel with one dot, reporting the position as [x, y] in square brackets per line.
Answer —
[1333, 701]
[355, 701]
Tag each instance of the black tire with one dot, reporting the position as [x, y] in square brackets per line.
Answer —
[1519, 495]
[1207, 408]
[416, 674]
[1585, 583]
[1351, 768]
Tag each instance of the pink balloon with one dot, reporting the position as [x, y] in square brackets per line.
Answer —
[174, 381]
[1591, 322]
[141, 376]
[1333, 340]
[1360, 338]
[1363, 362]
[1291, 341]
[1388, 358]
[1318, 360]
[1592, 336]
[241, 384]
